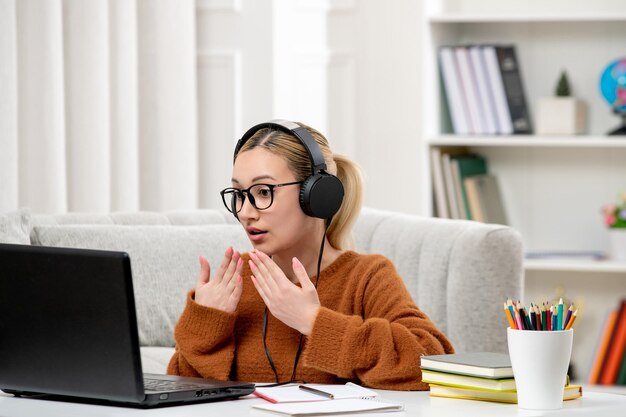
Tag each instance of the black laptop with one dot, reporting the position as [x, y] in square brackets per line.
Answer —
[68, 329]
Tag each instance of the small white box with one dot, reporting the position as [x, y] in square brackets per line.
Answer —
[560, 116]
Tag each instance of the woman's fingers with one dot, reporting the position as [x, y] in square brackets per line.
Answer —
[205, 272]
[226, 260]
[301, 274]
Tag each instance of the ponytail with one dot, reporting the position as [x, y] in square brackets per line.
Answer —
[340, 231]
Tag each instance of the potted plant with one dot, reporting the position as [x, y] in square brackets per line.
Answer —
[615, 219]
[561, 114]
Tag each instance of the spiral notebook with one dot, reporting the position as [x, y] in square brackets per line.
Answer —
[320, 408]
[293, 393]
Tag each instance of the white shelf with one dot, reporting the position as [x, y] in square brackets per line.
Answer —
[529, 141]
[552, 187]
[526, 18]
[574, 265]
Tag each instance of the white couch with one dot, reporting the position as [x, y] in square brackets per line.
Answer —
[458, 272]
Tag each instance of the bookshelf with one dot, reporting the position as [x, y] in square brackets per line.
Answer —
[552, 186]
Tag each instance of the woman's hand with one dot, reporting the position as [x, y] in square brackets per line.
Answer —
[296, 307]
[224, 290]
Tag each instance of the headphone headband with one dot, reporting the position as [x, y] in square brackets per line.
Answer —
[315, 154]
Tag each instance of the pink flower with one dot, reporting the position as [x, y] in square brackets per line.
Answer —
[610, 220]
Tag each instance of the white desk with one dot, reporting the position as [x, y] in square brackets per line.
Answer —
[416, 404]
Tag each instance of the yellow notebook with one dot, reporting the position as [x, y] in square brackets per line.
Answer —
[463, 381]
[569, 393]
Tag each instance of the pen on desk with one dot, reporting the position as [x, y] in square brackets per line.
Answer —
[316, 391]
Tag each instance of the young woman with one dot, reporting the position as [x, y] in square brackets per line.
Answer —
[290, 310]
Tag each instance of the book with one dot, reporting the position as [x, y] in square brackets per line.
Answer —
[468, 165]
[439, 188]
[621, 376]
[481, 364]
[448, 179]
[617, 346]
[602, 347]
[458, 188]
[496, 86]
[485, 95]
[513, 88]
[473, 201]
[464, 381]
[453, 90]
[293, 392]
[470, 90]
[570, 392]
[487, 193]
[330, 407]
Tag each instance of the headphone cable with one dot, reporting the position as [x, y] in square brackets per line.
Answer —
[265, 320]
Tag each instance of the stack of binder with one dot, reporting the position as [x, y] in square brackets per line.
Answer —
[484, 90]
[483, 376]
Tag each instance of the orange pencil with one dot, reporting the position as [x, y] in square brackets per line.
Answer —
[507, 313]
[571, 320]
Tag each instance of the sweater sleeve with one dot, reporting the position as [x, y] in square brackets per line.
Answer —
[205, 343]
[381, 347]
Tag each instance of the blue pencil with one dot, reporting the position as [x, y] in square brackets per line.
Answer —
[560, 314]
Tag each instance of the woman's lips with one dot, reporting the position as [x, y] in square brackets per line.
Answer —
[255, 234]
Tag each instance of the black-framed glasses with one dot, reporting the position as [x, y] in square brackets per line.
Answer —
[261, 196]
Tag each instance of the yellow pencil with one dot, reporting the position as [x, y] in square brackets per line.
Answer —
[571, 320]
[507, 313]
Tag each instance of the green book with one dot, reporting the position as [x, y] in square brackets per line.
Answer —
[621, 376]
[468, 165]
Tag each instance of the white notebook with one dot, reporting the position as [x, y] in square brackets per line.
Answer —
[293, 393]
[321, 408]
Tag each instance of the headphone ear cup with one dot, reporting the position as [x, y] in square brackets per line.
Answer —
[321, 195]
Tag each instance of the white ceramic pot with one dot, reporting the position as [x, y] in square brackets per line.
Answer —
[617, 244]
[560, 116]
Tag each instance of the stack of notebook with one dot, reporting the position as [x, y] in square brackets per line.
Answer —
[484, 376]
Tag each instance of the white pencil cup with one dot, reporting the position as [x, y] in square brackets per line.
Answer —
[540, 360]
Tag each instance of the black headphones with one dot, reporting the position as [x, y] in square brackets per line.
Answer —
[321, 193]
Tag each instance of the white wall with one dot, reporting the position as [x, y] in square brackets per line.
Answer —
[100, 111]
[348, 68]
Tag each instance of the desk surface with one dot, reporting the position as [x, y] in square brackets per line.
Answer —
[416, 404]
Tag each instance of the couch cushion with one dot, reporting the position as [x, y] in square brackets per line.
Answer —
[164, 262]
[15, 227]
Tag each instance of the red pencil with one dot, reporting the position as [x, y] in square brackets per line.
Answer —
[549, 318]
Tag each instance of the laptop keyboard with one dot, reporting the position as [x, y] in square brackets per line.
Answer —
[162, 385]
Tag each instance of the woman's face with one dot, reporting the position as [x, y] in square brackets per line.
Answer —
[283, 226]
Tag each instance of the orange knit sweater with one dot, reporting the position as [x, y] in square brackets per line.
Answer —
[368, 330]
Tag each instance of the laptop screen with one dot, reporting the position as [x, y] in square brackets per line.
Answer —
[68, 324]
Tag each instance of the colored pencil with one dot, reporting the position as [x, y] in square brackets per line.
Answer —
[509, 304]
[568, 315]
[507, 313]
[548, 316]
[544, 324]
[571, 320]
[560, 313]
[518, 320]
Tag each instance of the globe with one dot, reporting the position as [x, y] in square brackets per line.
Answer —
[613, 89]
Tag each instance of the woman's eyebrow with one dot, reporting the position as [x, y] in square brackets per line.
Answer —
[260, 177]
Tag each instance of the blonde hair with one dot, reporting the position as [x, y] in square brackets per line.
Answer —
[289, 147]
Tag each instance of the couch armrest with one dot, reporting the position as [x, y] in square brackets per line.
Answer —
[459, 272]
